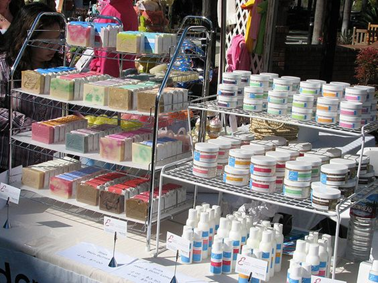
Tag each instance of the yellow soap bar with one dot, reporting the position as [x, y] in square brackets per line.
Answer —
[120, 98]
[32, 81]
[33, 178]
[130, 43]
[146, 101]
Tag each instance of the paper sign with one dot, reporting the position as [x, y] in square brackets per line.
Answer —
[317, 279]
[246, 264]
[7, 191]
[112, 225]
[177, 243]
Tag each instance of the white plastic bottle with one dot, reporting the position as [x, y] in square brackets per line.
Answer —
[248, 223]
[273, 254]
[253, 241]
[197, 245]
[266, 249]
[192, 218]
[315, 234]
[266, 224]
[205, 227]
[243, 231]
[313, 258]
[292, 264]
[212, 226]
[328, 239]
[230, 218]
[323, 256]
[235, 236]
[218, 238]
[205, 206]
[299, 254]
[216, 258]
[279, 243]
[188, 235]
[223, 230]
[227, 256]
[295, 274]
[373, 274]
[218, 214]
[306, 273]
[199, 209]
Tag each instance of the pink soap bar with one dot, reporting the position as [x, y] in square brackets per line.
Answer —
[112, 148]
[62, 187]
[79, 35]
[42, 133]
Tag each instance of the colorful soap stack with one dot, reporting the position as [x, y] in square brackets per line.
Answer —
[38, 176]
[54, 131]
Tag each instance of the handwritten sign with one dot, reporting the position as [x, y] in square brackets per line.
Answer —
[246, 264]
[317, 279]
[7, 191]
[177, 243]
[112, 225]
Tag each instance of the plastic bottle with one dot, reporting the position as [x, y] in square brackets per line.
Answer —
[295, 274]
[253, 240]
[243, 231]
[205, 227]
[266, 224]
[309, 240]
[323, 256]
[306, 273]
[328, 239]
[205, 206]
[235, 236]
[223, 230]
[258, 254]
[188, 234]
[218, 238]
[273, 254]
[197, 245]
[279, 242]
[230, 218]
[217, 216]
[299, 254]
[315, 234]
[192, 218]
[266, 249]
[248, 223]
[216, 258]
[227, 256]
[373, 274]
[199, 209]
[313, 258]
[292, 264]
[212, 226]
[242, 277]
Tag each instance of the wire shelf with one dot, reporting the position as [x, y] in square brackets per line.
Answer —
[212, 106]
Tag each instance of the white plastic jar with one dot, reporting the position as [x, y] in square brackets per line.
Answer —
[348, 189]
[294, 80]
[282, 84]
[333, 91]
[235, 176]
[326, 117]
[263, 166]
[302, 147]
[294, 153]
[350, 122]
[227, 101]
[220, 167]
[276, 140]
[297, 190]
[205, 152]
[227, 90]
[253, 105]
[245, 138]
[263, 184]
[356, 94]
[255, 149]
[325, 198]
[281, 159]
[251, 92]
[205, 170]
[309, 88]
[350, 108]
[303, 101]
[324, 158]
[231, 78]
[333, 175]
[277, 97]
[370, 90]
[235, 143]
[315, 163]
[240, 158]
[271, 77]
[320, 82]
[365, 119]
[276, 109]
[302, 114]
[366, 107]
[268, 145]
[224, 148]
[244, 77]
[351, 164]
[327, 104]
[259, 81]
[298, 171]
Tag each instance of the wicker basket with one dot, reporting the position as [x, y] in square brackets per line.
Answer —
[262, 128]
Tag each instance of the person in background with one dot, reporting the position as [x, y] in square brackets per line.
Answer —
[40, 54]
[107, 62]
[8, 10]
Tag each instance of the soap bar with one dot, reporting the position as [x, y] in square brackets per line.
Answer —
[78, 142]
[111, 202]
[130, 42]
[33, 178]
[62, 88]
[79, 34]
[112, 149]
[146, 101]
[42, 133]
[32, 81]
[87, 194]
[120, 98]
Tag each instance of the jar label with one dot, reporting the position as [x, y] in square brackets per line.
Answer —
[353, 97]
[373, 278]
[299, 176]
[348, 112]
[323, 107]
[281, 87]
[255, 95]
[276, 100]
[200, 171]
[229, 81]
[299, 116]
[232, 179]
[331, 94]
[300, 104]
[308, 91]
[255, 84]
[262, 186]
[256, 168]
[226, 93]
[292, 192]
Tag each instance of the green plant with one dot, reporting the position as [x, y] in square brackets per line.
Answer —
[345, 38]
[367, 66]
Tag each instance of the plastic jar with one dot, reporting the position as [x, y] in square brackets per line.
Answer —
[259, 81]
[205, 152]
[263, 166]
[271, 77]
[333, 91]
[350, 122]
[366, 107]
[220, 167]
[356, 94]
[281, 159]
[256, 149]
[349, 108]
[348, 189]
[298, 190]
[227, 101]
[365, 119]
[263, 184]
[235, 176]
[231, 78]
[315, 163]
[366, 179]
[227, 90]
[251, 92]
[351, 164]
[333, 175]
[276, 109]
[245, 138]
[240, 158]
[364, 164]
[294, 81]
[302, 114]
[309, 88]
[282, 84]
[343, 84]
[204, 170]
[302, 147]
[298, 171]
[277, 97]
[370, 90]
[320, 82]
[325, 198]
[293, 152]
[324, 158]
[253, 105]
[224, 148]
[332, 152]
[268, 145]
[235, 143]
[326, 117]
[327, 104]
[303, 101]
[244, 77]
[277, 140]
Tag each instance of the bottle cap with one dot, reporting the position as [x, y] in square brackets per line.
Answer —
[313, 249]
[199, 209]
[242, 221]
[254, 233]
[197, 234]
[205, 206]
[230, 217]
[278, 227]
[295, 272]
[218, 211]
[188, 234]
[266, 223]
[266, 236]
[236, 226]
[310, 239]
[192, 214]
[257, 253]
[328, 238]
[211, 213]
[374, 265]
[204, 217]
[301, 246]
[293, 263]
[246, 250]
[223, 223]
[316, 236]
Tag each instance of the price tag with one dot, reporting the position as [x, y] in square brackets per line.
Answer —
[177, 243]
[246, 264]
[317, 279]
[7, 191]
[112, 225]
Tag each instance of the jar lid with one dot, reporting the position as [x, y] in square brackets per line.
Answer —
[308, 98]
[332, 169]
[356, 90]
[244, 137]
[310, 84]
[292, 78]
[268, 145]
[253, 89]
[204, 164]
[301, 110]
[237, 171]
[321, 185]
[233, 141]
[317, 81]
[259, 78]
[332, 152]
[348, 118]
[344, 84]
[257, 149]
[326, 193]
[241, 153]
[326, 113]
[228, 87]
[349, 163]
[243, 73]
[349, 184]
[279, 155]
[222, 143]
[333, 87]
[270, 75]
[263, 160]
[253, 101]
[262, 178]
[300, 185]
[277, 106]
[356, 158]
[351, 105]
[277, 140]
[231, 75]
[207, 147]
[370, 89]
[281, 94]
[293, 152]
[324, 158]
[283, 81]
[301, 146]
[297, 165]
[314, 161]
[227, 98]
[328, 100]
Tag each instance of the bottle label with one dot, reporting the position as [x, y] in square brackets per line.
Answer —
[243, 239]
[323, 264]
[373, 278]
[278, 247]
[278, 258]
[197, 244]
[266, 255]
[216, 256]
[294, 280]
[314, 269]
[306, 280]
[227, 254]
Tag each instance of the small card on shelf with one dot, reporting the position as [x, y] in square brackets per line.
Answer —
[112, 225]
[177, 243]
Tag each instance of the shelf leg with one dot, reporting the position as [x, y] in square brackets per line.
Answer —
[336, 244]
[195, 196]
[158, 216]
[220, 195]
